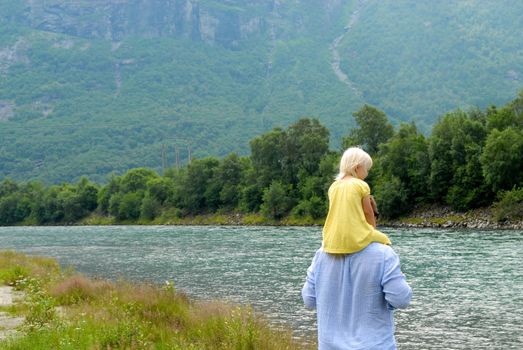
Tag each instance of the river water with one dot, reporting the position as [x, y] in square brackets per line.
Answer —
[468, 285]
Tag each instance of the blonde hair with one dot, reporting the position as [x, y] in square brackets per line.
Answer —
[350, 160]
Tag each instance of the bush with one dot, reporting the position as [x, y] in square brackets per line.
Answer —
[314, 207]
[276, 201]
[13, 275]
[391, 198]
[130, 206]
[510, 205]
[150, 207]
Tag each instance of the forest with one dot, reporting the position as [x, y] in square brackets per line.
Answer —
[471, 159]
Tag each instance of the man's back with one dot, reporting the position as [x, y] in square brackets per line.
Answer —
[354, 296]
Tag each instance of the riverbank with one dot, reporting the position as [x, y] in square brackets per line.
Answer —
[65, 310]
[422, 217]
[444, 217]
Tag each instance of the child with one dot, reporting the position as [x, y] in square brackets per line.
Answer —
[351, 225]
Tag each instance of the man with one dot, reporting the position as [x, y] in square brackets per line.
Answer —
[354, 296]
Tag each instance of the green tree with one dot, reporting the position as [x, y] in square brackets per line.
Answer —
[161, 188]
[231, 176]
[391, 197]
[71, 204]
[276, 202]
[136, 179]
[455, 147]
[502, 159]
[129, 208]
[50, 209]
[114, 204]
[8, 209]
[307, 143]
[406, 157]
[510, 116]
[373, 129]
[195, 191]
[106, 193]
[150, 207]
[88, 194]
[267, 154]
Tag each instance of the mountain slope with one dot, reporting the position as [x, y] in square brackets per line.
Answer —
[91, 87]
[418, 59]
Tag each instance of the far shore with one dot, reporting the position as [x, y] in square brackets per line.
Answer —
[427, 217]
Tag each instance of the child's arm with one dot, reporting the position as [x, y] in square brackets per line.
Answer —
[368, 211]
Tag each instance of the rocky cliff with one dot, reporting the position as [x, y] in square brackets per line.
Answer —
[226, 22]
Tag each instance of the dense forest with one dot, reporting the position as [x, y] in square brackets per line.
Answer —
[471, 159]
[95, 87]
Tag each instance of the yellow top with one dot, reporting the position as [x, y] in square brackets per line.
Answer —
[346, 230]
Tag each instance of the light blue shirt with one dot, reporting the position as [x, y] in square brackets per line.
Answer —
[354, 296]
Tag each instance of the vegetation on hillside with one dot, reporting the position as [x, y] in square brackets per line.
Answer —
[98, 107]
[73, 105]
[416, 59]
[65, 310]
[472, 159]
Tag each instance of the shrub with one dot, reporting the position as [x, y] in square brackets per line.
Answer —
[75, 289]
[150, 207]
[276, 201]
[510, 205]
[391, 197]
[13, 275]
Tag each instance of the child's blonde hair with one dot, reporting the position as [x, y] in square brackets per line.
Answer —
[350, 160]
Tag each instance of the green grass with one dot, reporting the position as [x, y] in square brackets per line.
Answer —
[230, 218]
[65, 310]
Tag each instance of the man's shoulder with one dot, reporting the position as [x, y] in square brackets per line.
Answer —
[379, 248]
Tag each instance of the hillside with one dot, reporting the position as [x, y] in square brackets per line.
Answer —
[92, 87]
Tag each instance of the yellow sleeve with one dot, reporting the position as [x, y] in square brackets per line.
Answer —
[363, 188]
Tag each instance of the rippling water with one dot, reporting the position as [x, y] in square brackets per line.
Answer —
[468, 285]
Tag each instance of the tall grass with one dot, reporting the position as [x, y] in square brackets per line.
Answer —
[69, 311]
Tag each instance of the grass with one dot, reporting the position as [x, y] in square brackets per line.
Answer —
[65, 310]
[218, 219]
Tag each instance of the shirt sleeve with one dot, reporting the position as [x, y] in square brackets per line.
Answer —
[397, 292]
[308, 291]
[363, 188]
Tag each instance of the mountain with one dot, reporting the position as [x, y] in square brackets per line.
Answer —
[92, 87]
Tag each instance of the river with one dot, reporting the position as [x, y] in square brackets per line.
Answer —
[468, 285]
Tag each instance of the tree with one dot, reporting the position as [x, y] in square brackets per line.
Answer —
[130, 205]
[276, 202]
[8, 187]
[267, 155]
[114, 204]
[150, 207]
[136, 179]
[88, 194]
[231, 176]
[510, 116]
[307, 143]
[455, 147]
[50, 209]
[192, 187]
[160, 189]
[373, 129]
[106, 193]
[391, 197]
[71, 204]
[406, 157]
[502, 159]
[8, 212]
